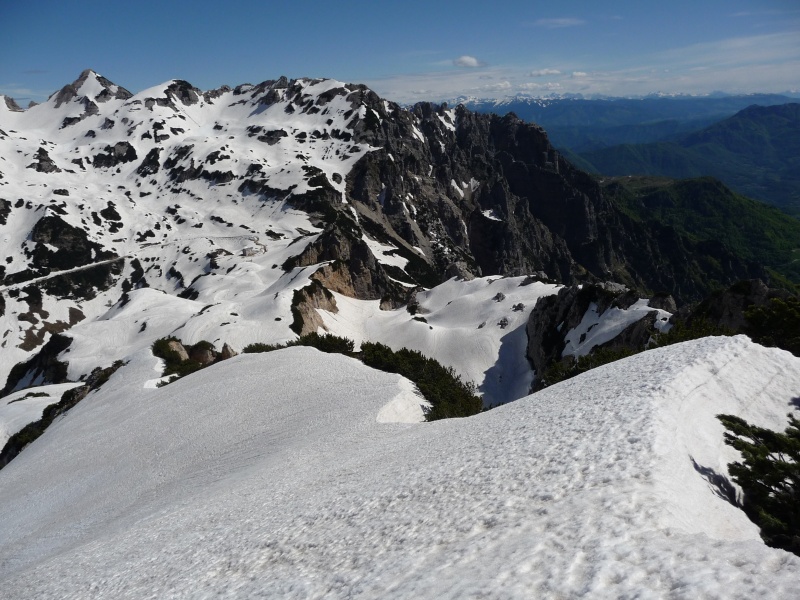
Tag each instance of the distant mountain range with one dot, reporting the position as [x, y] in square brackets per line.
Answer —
[756, 152]
[582, 125]
[749, 142]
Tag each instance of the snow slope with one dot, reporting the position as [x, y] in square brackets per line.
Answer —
[23, 407]
[270, 476]
[477, 327]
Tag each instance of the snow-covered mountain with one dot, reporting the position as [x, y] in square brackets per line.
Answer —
[258, 213]
[207, 215]
[278, 475]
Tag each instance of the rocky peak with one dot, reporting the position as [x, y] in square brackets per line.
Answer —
[184, 92]
[92, 87]
[11, 104]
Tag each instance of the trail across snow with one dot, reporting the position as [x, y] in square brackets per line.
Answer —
[271, 476]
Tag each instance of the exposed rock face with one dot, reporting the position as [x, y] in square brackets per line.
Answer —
[11, 104]
[550, 319]
[354, 270]
[202, 354]
[43, 163]
[43, 368]
[73, 247]
[72, 90]
[121, 152]
[636, 335]
[150, 163]
[491, 194]
[179, 349]
[227, 352]
[664, 302]
[5, 210]
[304, 305]
[554, 317]
[184, 92]
[61, 246]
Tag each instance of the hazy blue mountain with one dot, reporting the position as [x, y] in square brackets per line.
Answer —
[589, 124]
[756, 152]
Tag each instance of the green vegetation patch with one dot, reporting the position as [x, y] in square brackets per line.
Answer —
[776, 324]
[705, 210]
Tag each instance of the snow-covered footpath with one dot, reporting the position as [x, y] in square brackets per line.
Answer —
[271, 476]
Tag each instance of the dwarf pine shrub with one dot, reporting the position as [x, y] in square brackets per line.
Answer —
[769, 476]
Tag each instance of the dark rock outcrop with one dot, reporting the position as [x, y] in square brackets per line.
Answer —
[492, 193]
[43, 163]
[42, 368]
[227, 352]
[109, 91]
[305, 303]
[203, 354]
[73, 248]
[353, 271]
[179, 349]
[11, 104]
[5, 210]
[121, 152]
[554, 316]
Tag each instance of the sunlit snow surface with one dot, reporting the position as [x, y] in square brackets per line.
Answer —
[270, 476]
[477, 327]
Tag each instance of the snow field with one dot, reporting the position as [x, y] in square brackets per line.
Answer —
[462, 328]
[270, 475]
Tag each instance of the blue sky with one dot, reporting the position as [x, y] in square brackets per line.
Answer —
[408, 51]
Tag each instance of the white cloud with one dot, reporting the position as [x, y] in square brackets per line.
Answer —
[500, 86]
[535, 87]
[765, 63]
[467, 62]
[558, 23]
[544, 72]
[760, 49]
